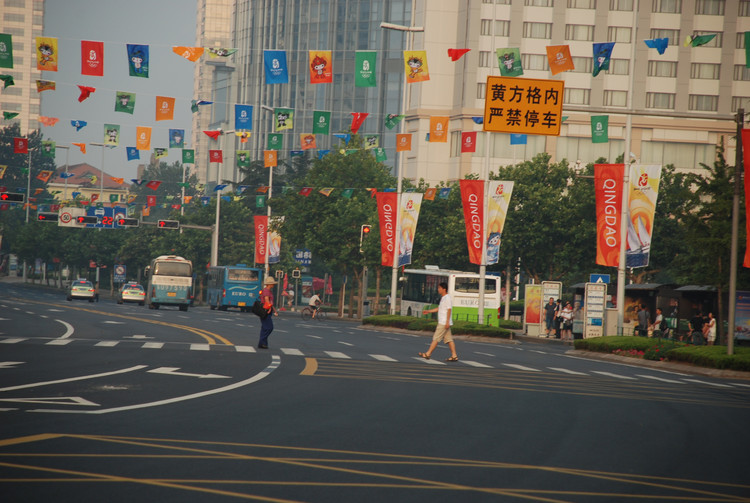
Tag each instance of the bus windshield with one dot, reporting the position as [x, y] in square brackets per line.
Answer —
[172, 269]
[242, 275]
[471, 285]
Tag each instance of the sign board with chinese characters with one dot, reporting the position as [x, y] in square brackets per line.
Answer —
[594, 310]
[303, 256]
[523, 106]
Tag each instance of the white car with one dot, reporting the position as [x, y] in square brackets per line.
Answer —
[81, 289]
[131, 292]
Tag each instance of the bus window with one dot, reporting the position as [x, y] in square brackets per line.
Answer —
[471, 285]
[172, 269]
[242, 275]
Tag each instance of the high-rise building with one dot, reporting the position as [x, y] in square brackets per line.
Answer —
[24, 21]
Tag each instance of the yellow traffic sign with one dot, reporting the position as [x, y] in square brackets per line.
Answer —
[523, 106]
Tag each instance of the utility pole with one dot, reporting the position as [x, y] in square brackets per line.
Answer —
[738, 169]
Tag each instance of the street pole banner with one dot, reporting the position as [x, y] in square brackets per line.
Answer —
[608, 180]
[387, 218]
[274, 240]
[410, 204]
[472, 198]
[497, 209]
[746, 165]
[261, 229]
[644, 191]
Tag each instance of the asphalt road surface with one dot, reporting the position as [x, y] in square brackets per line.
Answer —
[116, 403]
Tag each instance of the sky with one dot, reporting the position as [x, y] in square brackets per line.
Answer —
[160, 24]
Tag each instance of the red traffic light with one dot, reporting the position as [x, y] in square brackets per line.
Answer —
[82, 220]
[168, 224]
[47, 217]
[366, 229]
[127, 222]
[11, 197]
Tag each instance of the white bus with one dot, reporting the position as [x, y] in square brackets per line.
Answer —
[419, 292]
[170, 282]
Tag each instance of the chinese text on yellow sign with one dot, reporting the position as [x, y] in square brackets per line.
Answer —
[523, 106]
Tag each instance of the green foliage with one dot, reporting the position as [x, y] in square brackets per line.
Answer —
[713, 356]
[426, 324]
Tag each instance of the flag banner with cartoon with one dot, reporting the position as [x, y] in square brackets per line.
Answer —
[112, 134]
[243, 158]
[48, 148]
[386, 202]
[599, 128]
[189, 53]
[125, 102]
[410, 204]
[371, 141]
[307, 141]
[660, 44]
[274, 240]
[321, 69]
[160, 152]
[138, 60]
[403, 142]
[439, 129]
[143, 138]
[92, 58]
[176, 138]
[78, 124]
[46, 54]
[602, 56]
[392, 120]
[644, 191]
[509, 62]
[164, 108]
[472, 199]
[275, 141]
[559, 59]
[6, 50]
[188, 156]
[283, 119]
[321, 122]
[45, 85]
[243, 117]
[608, 185]
[468, 141]
[364, 73]
[498, 201]
[275, 66]
[415, 65]
[220, 52]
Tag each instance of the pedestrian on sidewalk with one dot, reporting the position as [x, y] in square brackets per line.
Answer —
[549, 316]
[443, 329]
[266, 324]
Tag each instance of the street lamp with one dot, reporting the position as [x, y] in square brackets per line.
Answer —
[270, 193]
[400, 165]
[215, 232]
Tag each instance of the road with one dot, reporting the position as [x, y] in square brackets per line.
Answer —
[118, 402]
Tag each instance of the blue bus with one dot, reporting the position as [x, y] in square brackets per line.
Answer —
[170, 282]
[233, 286]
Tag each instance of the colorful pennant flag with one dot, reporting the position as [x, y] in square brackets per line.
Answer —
[599, 128]
[7, 81]
[188, 156]
[160, 152]
[176, 138]
[275, 66]
[6, 50]
[307, 141]
[321, 122]
[48, 148]
[112, 134]
[117, 180]
[403, 142]
[391, 120]
[468, 141]
[380, 154]
[164, 108]
[20, 145]
[415, 63]
[92, 58]
[189, 53]
[357, 119]
[364, 73]
[343, 136]
[81, 147]
[143, 138]
[559, 59]
[243, 117]
[46, 54]
[326, 191]
[153, 184]
[509, 61]
[125, 102]
[215, 156]
[439, 129]
[660, 44]
[220, 52]
[283, 118]
[321, 68]
[132, 153]
[150, 201]
[323, 153]
[48, 121]
[9, 115]
[214, 135]
[45, 85]
[275, 141]
[242, 135]
[455, 54]
[371, 141]
[699, 40]
[444, 193]
[305, 191]
[85, 92]
[44, 175]
[602, 56]
[138, 60]
[243, 158]
[429, 194]
[347, 193]
[78, 124]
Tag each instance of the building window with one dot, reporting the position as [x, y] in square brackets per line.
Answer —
[741, 72]
[615, 98]
[502, 28]
[579, 32]
[710, 7]
[15, 3]
[582, 4]
[703, 103]
[535, 62]
[575, 96]
[662, 69]
[705, 71]
[486, 1]
[537, 30]
[539, 3]
[618, 34]
[740, 43]
[619, 67]
[664, 101]
[739, 102]
[583, 64]
[481, 90]
[14, 18]
[744, 10]
[486, 27]
[621, 5]
[456, 142]
[485, 59]
[672, 35]
[670, 6]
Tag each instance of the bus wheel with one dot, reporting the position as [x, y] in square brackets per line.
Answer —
[211, 306]
[183, 307]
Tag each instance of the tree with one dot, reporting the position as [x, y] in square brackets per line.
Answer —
[169, 190]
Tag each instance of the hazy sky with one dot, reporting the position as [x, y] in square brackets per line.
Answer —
[160, 24]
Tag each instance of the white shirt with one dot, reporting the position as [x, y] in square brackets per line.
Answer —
[313, 300]
[445, 305]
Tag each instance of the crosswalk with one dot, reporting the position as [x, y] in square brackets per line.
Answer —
[339, 355]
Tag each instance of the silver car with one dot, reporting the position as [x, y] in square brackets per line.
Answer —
[131, 292]
[81, 289]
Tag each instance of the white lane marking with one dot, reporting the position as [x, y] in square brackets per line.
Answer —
[55, 310]
[336, 354]
[68, 329]
[200, 347]
[521, 367]
[383, 358]
[107, 344]
[475, 364]
[537, 351]
[173, 371]
[4, 319]
[709, 383]
[110, 322]
[345, 343]
[30, 312]
[292, 352]
[275, 362]
[313, 336]
[389, 338]
[567, 371]
[44, 316]
[431, 362]
[484, 354]
[8, 365]
[244, 349]
[137, 337]
[59, 342]
[12, 340]
[740, 384]
[673, 381]
[281, 331]
[54, 400]
[152, 345]
[71, 379]
[610, 374]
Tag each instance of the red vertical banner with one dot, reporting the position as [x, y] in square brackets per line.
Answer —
[468, 141]
[387, 208]
[746, 165]
[472, 198]
[92, 58]
[608, 180]
[261, 238]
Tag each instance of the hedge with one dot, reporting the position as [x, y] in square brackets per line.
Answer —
[428, 325]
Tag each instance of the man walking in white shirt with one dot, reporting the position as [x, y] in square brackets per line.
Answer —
[443, 329]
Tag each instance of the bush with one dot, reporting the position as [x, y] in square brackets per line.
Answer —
[713, 356]
[428, 325]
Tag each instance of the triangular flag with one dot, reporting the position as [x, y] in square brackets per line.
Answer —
[660, 44]
[357, 120]
[305, 191]
[189, 53]
[81, 146]
[85, 92]
[699, 40]
[78, 124]
[9, 115]
[153, 184]
[45, 85]
[326, 191]
[455, 54]
[48, 121]
[214, 135]
[7, 80]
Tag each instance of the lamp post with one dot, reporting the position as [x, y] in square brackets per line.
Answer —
[215, 231]
[400, 165]
[270, 194]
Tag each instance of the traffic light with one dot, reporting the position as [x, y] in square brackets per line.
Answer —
[83, 220]
[12, 197]
[363, 232]
[169, 224]
[45, 216]
[127, 222]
